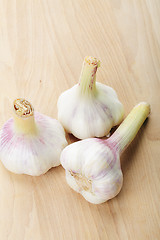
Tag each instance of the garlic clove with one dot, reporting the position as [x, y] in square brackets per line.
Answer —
[93, 165]
[89, 108]
[31, 143]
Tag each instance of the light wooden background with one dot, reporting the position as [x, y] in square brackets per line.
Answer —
[42, 46]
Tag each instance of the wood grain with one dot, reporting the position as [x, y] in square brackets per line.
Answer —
[42, 46]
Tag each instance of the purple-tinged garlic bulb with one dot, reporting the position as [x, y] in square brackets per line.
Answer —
[90, 108]
[93, 165]
[30, 143]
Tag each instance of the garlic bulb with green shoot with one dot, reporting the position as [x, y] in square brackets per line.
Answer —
[89, 108]
[93, 165]
[30, 143]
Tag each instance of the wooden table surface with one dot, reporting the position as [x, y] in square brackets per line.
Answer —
[42, 46]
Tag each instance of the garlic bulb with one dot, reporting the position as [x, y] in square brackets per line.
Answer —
[89, 109]
[93, 165]
[30, 143]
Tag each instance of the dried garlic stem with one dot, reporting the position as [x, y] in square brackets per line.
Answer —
[130, 126]
[24, 116]
[88, 75]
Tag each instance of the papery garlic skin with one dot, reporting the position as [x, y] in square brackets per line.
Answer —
[93, 165]
[31, 147]
[89, 109]
[92, 169]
